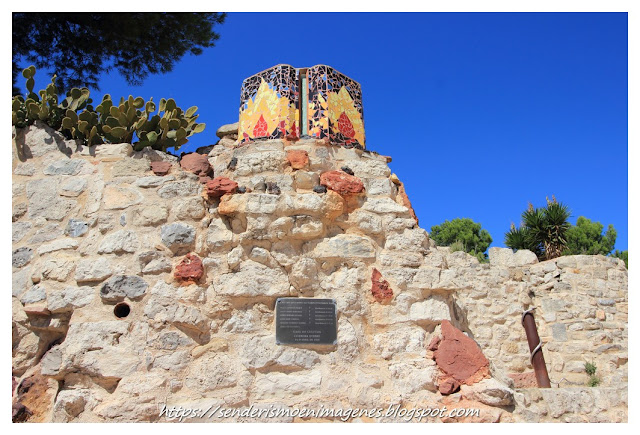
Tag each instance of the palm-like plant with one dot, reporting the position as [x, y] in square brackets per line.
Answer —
[543, 230]
[515, 238]
[555, 230]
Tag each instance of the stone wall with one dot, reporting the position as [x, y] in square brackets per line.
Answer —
[581, 311]
[199, 262]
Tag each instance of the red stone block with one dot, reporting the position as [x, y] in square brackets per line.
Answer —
[379, 287]
[196, 163]
[160, 168]
[459, 358]
[342, 183]
[189, 269]
[220, 186]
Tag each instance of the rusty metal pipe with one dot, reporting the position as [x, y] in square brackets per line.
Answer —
[535, 347]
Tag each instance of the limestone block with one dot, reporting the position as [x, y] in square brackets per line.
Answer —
[121, 197]
[68, 299]
[94, 197]
[19, 230]
[281, 386]
[461, 259]
[412, 240]
[39, 139]
[243, 321]
[347, 246]
[366, 222]
[505, 257]
[21, 256]
[20, 281]
[150, 215]
[253, 279]
[369, 168]
[66, 167]
[119, 242]
[73, 187]
[306, 228]
[348, 343]
[414, 375]
[35, 294]
[379, 187]
[58, 245]
[306, 180]
[235, 257]
[400, 340]
[490, 392]
[384, 205]
[27, 169]
[76, 228]
[304, 273]
[431, 311]
[219, 237]
[190, 208]
[43, 204]
[58, 269]
[129, 166]
[178, 237]
[18, 210]
[211, 372]
[227, 130]
[104, 349]
[179, 189]
[261, 351]
[258, 162]
[162, 306]
[113, 152]
[153, 181]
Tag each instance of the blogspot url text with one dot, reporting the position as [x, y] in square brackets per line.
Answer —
[180, 413]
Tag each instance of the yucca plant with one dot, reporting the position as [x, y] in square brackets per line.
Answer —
[515, 239]
[543, 230]
[555, 228]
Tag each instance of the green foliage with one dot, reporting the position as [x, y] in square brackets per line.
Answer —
[586, 238]
[456, 246]
[78, 47]
[44, 105]
[591, 368]
[515, 238]
[132, 118]
[543, 230]
[623, 255]
[465, 233]
[594, 381]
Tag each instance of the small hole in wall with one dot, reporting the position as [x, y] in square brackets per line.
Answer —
[121, 310]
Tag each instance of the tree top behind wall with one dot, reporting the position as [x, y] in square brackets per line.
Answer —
[78, 47]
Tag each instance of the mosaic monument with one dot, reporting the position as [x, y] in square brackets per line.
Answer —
[287, 102]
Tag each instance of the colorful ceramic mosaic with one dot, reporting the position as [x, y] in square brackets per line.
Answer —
[285, 102]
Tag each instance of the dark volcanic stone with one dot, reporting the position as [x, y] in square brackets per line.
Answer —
[347, 170]
[273, 188]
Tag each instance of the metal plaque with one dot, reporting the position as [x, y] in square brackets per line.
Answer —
[306, 321]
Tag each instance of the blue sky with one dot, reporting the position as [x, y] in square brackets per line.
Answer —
[481, 112]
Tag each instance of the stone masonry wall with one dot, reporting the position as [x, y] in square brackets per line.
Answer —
[200, 261]
[581, 312]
